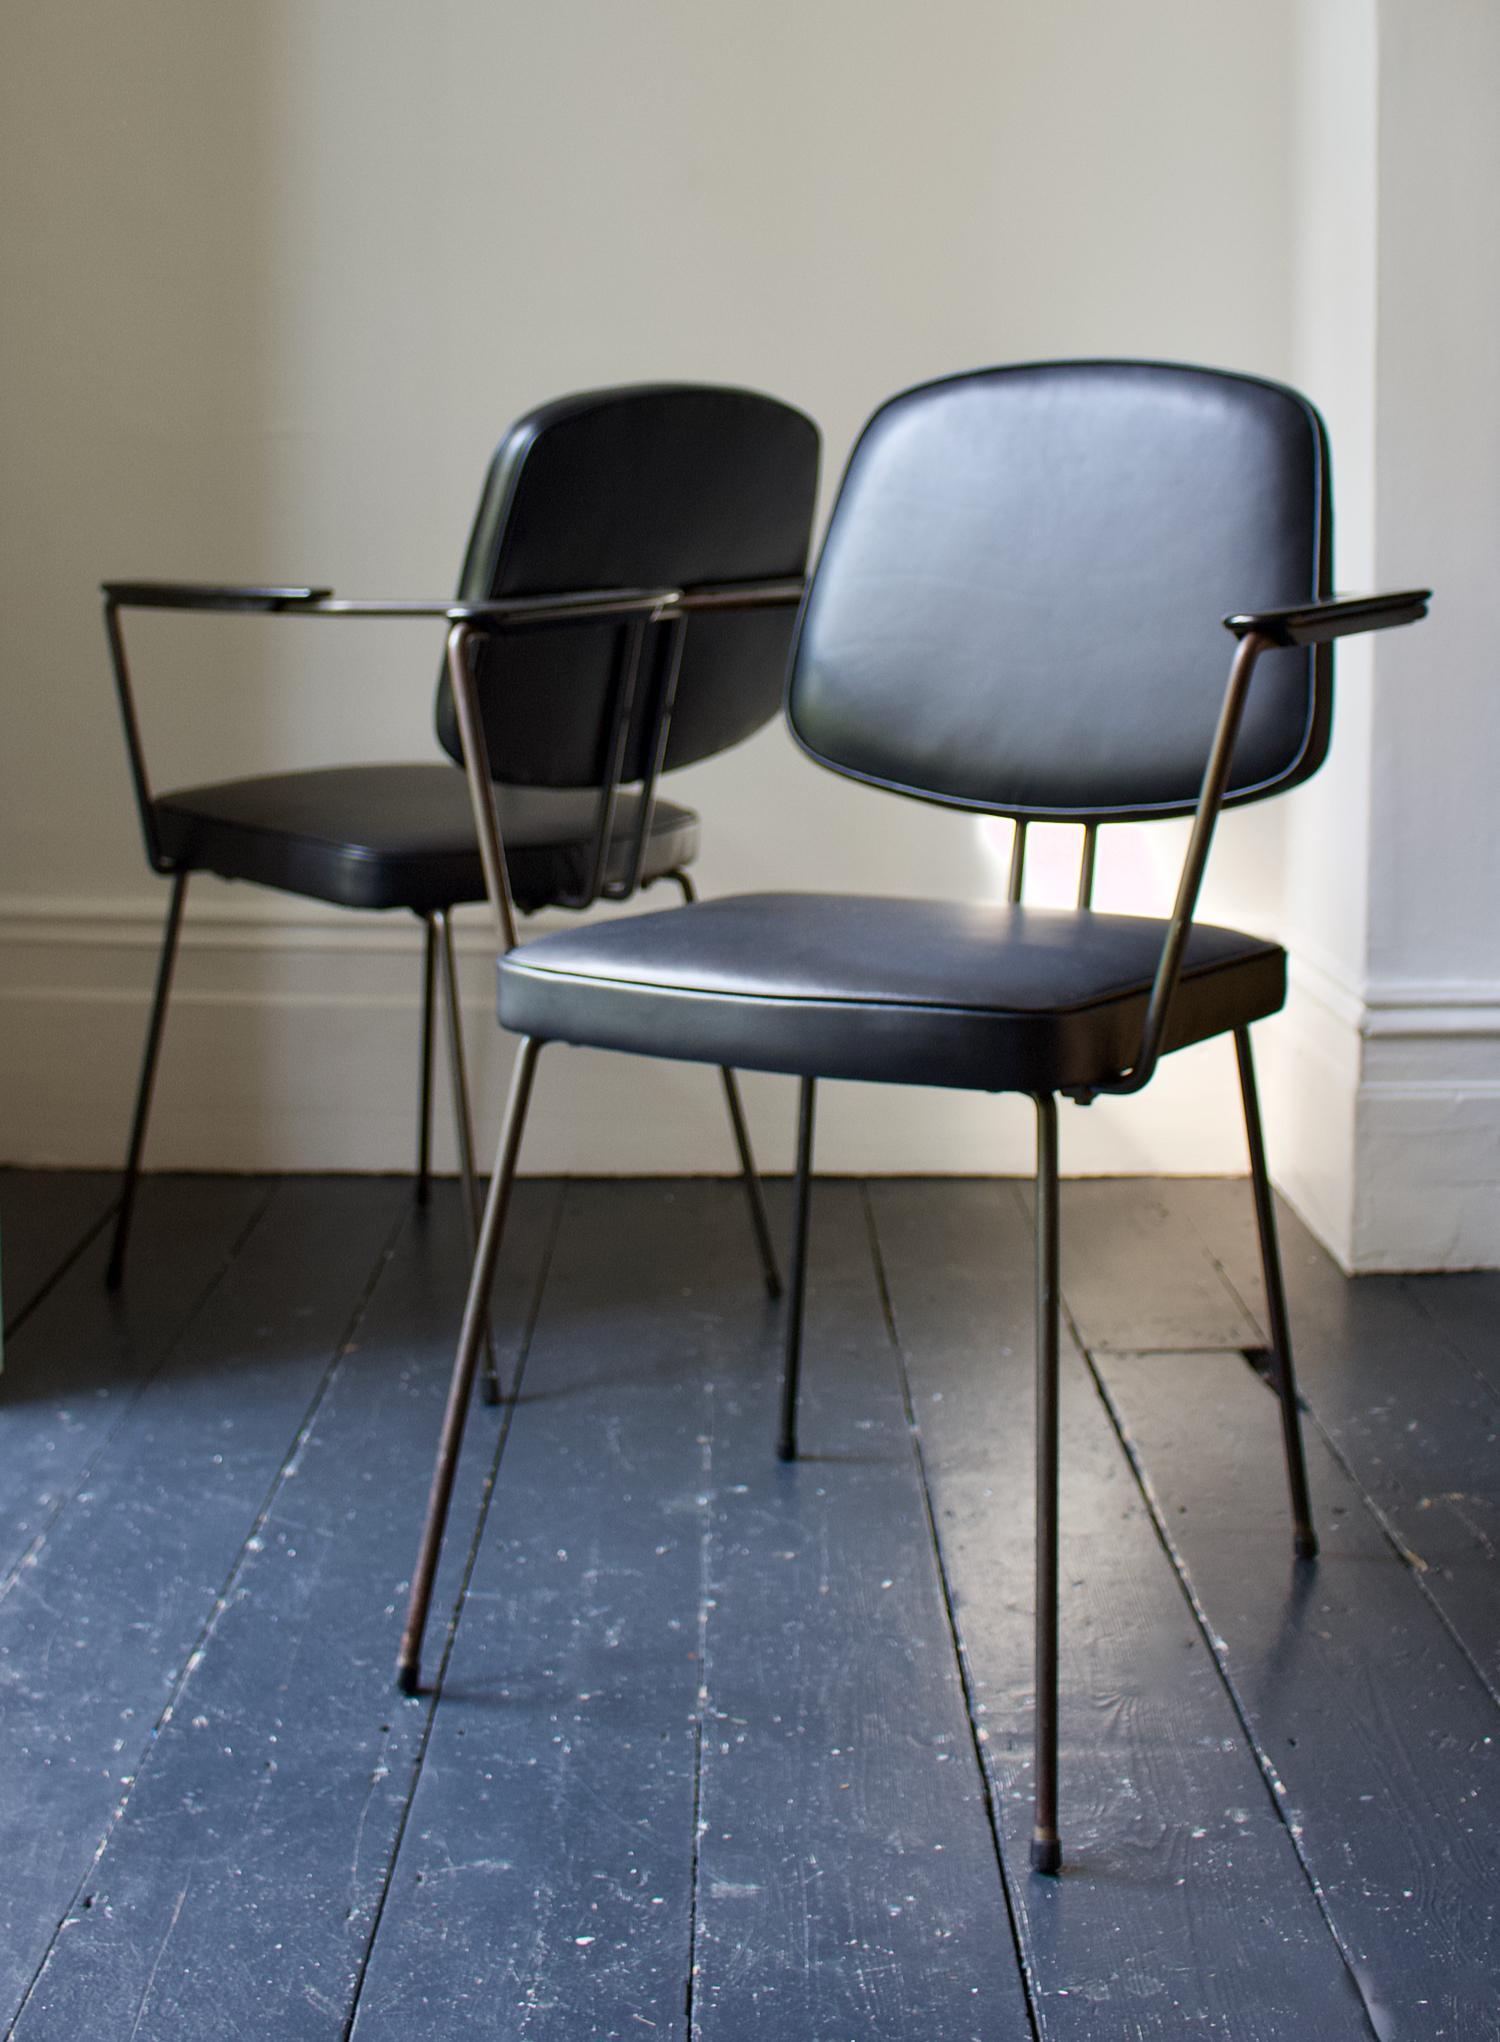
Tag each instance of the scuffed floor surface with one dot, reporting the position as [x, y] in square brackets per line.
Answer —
[714, 1747]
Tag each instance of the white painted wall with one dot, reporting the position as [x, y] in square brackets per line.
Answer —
[277, 275]
[1384, 1084]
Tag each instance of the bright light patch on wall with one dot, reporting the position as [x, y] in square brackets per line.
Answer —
[1135, 872]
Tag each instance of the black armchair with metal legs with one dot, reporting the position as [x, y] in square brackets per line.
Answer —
[634, 493]
[1016, 612]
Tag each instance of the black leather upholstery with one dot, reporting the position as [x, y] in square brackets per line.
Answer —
[1018, 603]
[403, 836]
[663, 485]
[991, 998]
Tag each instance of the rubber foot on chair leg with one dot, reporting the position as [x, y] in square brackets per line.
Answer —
[1046, 1855]
[786, 1448]
[489, 1390]
[1305, 1544]
[409, 1677]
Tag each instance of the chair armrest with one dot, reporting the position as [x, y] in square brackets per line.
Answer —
[207, 595]
[1334, 617]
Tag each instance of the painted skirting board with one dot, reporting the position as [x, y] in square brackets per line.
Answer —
[292, 1044]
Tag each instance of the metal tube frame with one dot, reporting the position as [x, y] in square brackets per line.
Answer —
[1305, 1537]
[1046, 1848]
[791, 1360]
[424, 1087]
[755, 1197]
[465, 1361]
[115, 1270]
[463, 1124]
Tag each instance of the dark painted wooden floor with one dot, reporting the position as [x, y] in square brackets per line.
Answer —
[721, 1748]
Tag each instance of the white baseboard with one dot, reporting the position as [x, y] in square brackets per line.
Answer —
[292, 1045]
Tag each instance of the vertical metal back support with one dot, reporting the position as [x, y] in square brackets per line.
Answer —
[1046, 1848]
[791, 1362]
[139, 779]
[632, 637]
[1305, 1538]
[669, 663]
[481, 785]
[1017, 864]
[1086, 864]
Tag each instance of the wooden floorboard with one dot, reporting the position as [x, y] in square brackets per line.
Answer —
[1411, 1419]
[847, 1876]
[1183, 1909]
[544, 1885]
[100, 1622]
[1376, 1738]
[274, 1792]
[1465, 1308]
[724, 1749]
[46, 1217]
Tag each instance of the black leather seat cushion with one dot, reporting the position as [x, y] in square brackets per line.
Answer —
[991, 998]
[403, 836]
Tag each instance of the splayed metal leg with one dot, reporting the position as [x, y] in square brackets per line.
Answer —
[115, 1270]
[465, 1362]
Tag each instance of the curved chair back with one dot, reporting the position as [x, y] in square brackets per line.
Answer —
[1019, 600]
[663, 485]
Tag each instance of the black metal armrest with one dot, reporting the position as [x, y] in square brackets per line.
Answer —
[1335, 617]
[207, 595]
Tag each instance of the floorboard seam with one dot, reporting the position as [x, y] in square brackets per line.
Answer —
[85, 1475]
[1454, 1345]
[200, 1645]
[705, 1582]
[507, 1416]
[976, 1730]
[81, 1247]
[1412, 1561]
[1264, 1763]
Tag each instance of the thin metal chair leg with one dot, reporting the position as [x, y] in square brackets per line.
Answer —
[465, 1361]
[116, 1266]
[1046, 1848]
[424, 1095]
[1305, 1538]
[755, 1197]
[791, 1362]
[463, 1124]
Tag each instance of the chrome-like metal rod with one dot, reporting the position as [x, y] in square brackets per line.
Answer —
[481, 786]
[465, 1361]
[674, 639]
[463, 1121]
[622, 715]
[115, 1270]
[791, 1362]
[1086, 864]
[424, 1089]
[134, 750]
[739, 1128]
[1205, 816]
[755, 1198]
[1305, 1537]
[1017, 864]
[1046, 1848]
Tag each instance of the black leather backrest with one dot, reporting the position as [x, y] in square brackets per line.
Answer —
[661, 486]
[1018, 605]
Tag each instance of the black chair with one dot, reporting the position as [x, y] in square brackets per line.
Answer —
[654, 490]
[1016, 612]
